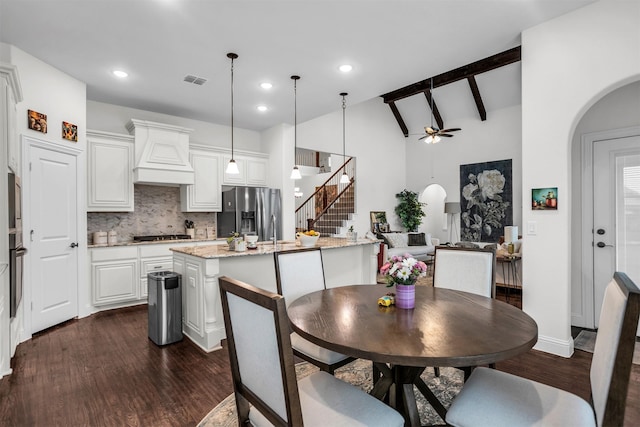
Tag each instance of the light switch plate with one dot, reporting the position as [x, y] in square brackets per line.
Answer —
[532, 228]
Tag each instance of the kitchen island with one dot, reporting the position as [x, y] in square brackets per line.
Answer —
[345, 262]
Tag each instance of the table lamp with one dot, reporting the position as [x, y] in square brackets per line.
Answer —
[510, 236]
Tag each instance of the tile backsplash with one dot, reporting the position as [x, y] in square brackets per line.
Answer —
[156, 211]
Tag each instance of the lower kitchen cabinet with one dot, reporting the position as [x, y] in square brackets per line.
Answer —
[119, 273]
[114, 275]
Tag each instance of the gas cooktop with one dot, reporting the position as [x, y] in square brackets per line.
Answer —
[161, 237]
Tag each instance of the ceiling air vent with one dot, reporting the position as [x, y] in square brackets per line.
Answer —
[195, 80]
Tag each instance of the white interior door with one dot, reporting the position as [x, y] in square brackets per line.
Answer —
[52, 238]
[616, 216]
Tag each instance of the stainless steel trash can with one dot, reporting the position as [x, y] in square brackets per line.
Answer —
[165, 307]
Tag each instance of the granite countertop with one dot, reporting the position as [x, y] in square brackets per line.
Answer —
[158, 242]
[222, 251]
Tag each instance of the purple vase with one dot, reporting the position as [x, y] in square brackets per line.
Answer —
[405, 296]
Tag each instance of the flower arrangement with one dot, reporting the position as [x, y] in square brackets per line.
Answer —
[403, 270]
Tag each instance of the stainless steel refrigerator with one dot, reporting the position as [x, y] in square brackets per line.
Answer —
[250, 210]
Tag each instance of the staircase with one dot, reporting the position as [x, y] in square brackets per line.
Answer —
[332, 204]
[336, 216]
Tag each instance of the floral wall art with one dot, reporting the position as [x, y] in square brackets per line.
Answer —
[486, 196]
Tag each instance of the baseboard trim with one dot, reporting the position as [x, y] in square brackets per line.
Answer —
[555, 346]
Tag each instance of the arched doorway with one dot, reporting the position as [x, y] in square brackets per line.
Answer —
[435, 222]
[610, 121]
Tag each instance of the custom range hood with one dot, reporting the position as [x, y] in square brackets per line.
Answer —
[162, 153]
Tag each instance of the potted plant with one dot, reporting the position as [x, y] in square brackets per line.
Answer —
[352, 235]
[234, 236]
[409, 210]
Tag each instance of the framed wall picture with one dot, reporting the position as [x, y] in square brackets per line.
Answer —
[544, 198]
[70, 131]
[37, 121]
[378, 221]
[486, 196]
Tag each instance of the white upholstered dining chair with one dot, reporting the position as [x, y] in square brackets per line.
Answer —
[494, 398]
[266, 389]
[298, 273]
[466, 269]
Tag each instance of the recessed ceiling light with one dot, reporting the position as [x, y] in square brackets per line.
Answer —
[120, 73]
[262, 108]
[266, 85]
[345, 68]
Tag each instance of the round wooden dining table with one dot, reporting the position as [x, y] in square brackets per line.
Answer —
[446, 328]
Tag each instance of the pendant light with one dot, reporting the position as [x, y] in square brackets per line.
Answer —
[295, 173]
[232, 167]
[344, 179]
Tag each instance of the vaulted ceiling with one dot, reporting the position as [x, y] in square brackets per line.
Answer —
[467, 72]
[391, 44]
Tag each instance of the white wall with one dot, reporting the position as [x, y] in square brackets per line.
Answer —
[568, 63]
[113, 118]
[497, 138]
[618, 109]
[62, 98]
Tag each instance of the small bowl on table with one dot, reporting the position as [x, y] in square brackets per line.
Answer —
[308, 241]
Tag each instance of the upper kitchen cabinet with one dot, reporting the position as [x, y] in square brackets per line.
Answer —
[110, 160]
[253, 170]
[205, 193]
[10, 95]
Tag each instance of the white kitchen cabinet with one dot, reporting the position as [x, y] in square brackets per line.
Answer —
[204, 195]
[256, 171]
[253, 171]
[119, 273]
[114, 275]
[110, 160]
[155, 257]
[10, 95]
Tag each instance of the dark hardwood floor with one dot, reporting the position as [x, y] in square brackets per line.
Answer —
[104, 371]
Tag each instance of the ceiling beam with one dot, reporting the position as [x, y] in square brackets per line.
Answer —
[482, 66]
[476, 97]
[396, 114]
[434, 109]
[468, 72]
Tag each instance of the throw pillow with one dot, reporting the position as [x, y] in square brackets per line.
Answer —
[467, 245]
[417, 239]
[396, 240]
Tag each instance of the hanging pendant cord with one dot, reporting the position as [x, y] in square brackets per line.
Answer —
[344, 107]
[295, 118]
[232, 107]
[232, 56]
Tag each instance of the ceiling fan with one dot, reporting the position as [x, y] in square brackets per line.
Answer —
[433, 134]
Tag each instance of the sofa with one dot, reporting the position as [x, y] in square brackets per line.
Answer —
[418, 245]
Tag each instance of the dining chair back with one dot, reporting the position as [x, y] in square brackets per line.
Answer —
[298, 273]
[466, 269]
[614, 348]
[491, 397]
[266, 390]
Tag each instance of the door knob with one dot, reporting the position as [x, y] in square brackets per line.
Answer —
[73, 245]
[602, 245]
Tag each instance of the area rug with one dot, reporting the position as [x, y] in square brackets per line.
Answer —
[358, 373]
[586, 341]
